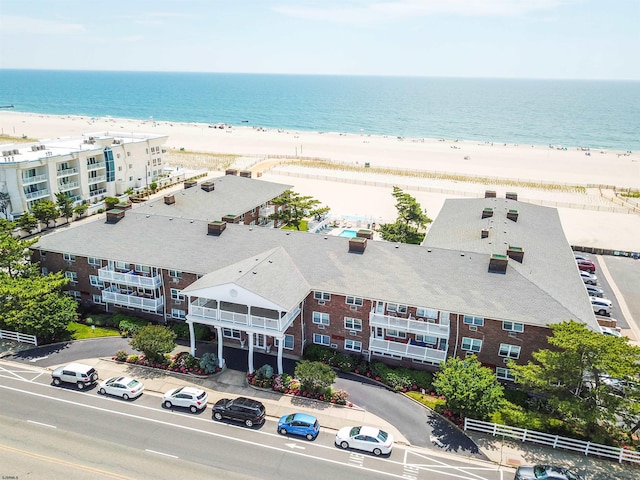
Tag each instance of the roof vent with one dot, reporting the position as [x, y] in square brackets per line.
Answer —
[190, 183]
[216, 228]
[498, 263]
[230, 218]
[512, 215]
[487, 212]
[365, 233]
[512, 196]
[484, 233]
[208, 186]
[245, 173]
[231, 171]
[169, 199]
[515, 253]
[489, 194]
[357, 244]
[114, 215]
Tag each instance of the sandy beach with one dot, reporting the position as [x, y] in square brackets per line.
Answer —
[590, 216]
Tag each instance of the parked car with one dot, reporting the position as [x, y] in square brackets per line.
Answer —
[78, 373]
[588, 278]
[610, 331]
[242, 409]
[369, 439]
[594, 291]
[192, 398]
[125, 387]
[580, 256]
[586, 265]
[545, 472]
[601, 306]
[299, 424]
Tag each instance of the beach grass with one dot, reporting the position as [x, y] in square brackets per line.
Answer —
[12, 139]
[192, 159]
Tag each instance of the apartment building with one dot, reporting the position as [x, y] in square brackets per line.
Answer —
[86, 169]
[490, 277]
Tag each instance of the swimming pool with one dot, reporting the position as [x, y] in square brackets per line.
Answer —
[348, 233]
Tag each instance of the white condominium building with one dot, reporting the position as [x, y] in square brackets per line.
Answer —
[87, 168]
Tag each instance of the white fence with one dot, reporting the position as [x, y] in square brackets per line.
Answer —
[18, 337]
[554, 441]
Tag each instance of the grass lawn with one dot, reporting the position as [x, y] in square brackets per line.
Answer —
[304, 226]
[427, 400]
[80, 331]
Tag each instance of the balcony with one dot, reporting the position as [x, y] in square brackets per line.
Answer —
[99, 191]
[200, 312]
[266, 211]
[65, 172]
[406, 350]
[37, 194]
[113, 295]
[96, 166]
[34, 179]
[97, 179]
[409, 325]
[128, 278]
[65, 187]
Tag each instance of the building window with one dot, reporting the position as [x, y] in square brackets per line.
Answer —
[143, 268]
[94, 261]
[471, 344]
[44, 271]
[176, 295]
[504, 374]
[177, 313]
[513, 327]
[509, 351]
[320, 318]
[353, 324]
[75, 294]
[95, 281]
[426, 313]
[43, 255]
[322, 296]
[69, 257]
[122, 266]
[288, 342]
[175, 273]
[426, 339]
[396, 334]
[358, 302]
[321, 339]
[97, 299]
[352, 345]
[231, 333]
[471, 320]
[72, 276]
[394, 307]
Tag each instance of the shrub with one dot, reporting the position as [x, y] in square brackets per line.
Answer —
[209, 362]
[121, 356]
[314, 376]
[264, 372]
[130, 326]
[201, 332]
[339, 397]
[154, 341]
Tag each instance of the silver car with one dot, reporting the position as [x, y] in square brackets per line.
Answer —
[80, 374]
[588, 278]
[192, 398]
[125, 387]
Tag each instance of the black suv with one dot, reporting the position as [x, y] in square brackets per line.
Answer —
[250, 412]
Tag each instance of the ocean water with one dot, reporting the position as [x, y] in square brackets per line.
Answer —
[596, 114]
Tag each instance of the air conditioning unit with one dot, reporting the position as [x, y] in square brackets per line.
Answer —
[506, 360]
[420, 319]
[365, 352]
[469, 353]
[320, 302]
[354, 308]
[320, 327]
[473, 328]
[513, 334]
[175, 280]
[353, 332]
[178, 302]
[334, 345]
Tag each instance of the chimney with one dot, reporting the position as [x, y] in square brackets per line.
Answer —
[230, 218]
[114, 215]
[216, 228]
[190, 183]
[487, 212]
[484, 233]
[515, 253]
[489, 194]
[357, 244]
[208, 186]
[512, 196]
[169, 199]
[498, 263]
[365, 233]
[245, 173]
[231, 171]
[512, 215]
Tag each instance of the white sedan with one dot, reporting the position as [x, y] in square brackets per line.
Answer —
[125, 387]
[369, 439]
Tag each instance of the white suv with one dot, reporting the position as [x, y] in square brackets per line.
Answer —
[192, 398]
[601, 306]
[78, 373]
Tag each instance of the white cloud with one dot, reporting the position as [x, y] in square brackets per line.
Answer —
[10, 24]
[376, 11]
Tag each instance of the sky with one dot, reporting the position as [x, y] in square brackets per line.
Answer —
[568, 39]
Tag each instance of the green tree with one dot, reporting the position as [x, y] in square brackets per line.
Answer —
[27, 222]
[411, 221]
[153, 186]
[45, 211]
[5, 201]
[155, 341]
[294, 208]
[14, 255]
[580, 375]
[80, 210]
[314, 376]
[65, 205]
[470, 390]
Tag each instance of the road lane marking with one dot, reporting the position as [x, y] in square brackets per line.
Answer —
[33, 360]
[160, 453]
[294, 446]
[42, 424]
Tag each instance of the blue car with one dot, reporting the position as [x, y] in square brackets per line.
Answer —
[299, 424]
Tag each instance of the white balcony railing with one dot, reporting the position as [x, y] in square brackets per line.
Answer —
[34, 179]
[266, 211]
[99, 191]
[96, 166]
[409, 325]
[128, 278]
[406, 350]
[37, 194]
[200, 313]
[113, 295]
[97, 179]
[65, 172]
[65, 187]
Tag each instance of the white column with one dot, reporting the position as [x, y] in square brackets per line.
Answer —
[250, 352]
[280, 347]
[220, 339]
[192, 338]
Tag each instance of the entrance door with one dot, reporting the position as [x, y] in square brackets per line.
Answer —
[259, 340]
